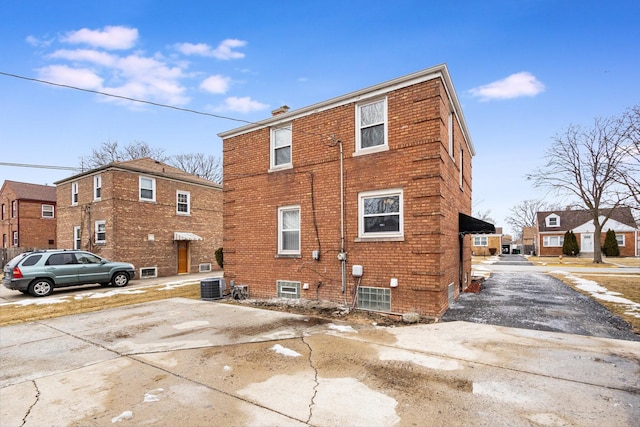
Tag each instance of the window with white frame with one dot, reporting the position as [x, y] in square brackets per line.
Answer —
[288, 289]
[147, 189]
[97, 187]
[553, 241]
[480, 241]
[461, 169]
[553, 220]
[380, 214]
[147, 272]
[183, 202]
[620, 239]
[77, 237]
[15, 238]
[48, 211]
[371, 126]
[101, 231]
[74, 193]
[289, 230]
[281, 146]
[450, 132]
[14, 209]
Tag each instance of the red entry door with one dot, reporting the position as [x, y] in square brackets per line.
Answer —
[183, 256]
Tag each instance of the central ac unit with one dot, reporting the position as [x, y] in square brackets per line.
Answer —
[212, 288]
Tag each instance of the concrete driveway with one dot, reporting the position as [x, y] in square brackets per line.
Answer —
[198, 363]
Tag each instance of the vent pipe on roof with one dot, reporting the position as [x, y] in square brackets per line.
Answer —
[280, 110]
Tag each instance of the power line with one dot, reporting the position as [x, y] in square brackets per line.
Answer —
[25, 165]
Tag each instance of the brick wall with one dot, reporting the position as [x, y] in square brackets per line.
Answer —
[628, 250]
[142, 232]
[417, 161]
[34, 231]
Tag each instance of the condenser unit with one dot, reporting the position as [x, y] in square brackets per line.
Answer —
[212, 288]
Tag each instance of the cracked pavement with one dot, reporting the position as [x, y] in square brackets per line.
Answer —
[199, 363]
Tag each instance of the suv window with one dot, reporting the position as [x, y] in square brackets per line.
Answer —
[32, 260]
[61, 259]
[87, 258]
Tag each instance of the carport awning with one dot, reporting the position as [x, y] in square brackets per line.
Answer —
[470, 225]
[179, 235]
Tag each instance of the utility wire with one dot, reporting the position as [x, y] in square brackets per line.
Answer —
[25, 165]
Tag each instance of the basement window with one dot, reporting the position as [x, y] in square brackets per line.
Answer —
[288, 289]
[203, 268]
[376, 299]
[148, 272]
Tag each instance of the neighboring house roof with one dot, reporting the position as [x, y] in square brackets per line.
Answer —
[439, 71]
[26, 191]
[571, 219]
[147, 166]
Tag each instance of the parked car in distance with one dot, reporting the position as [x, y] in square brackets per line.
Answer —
[39, 272]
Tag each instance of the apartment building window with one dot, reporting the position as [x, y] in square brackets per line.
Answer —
[147, 189]
[74, 193]
[4, 240]
[97, 187]
[371, 126]
[380, 214]
[101, 231]
[77, 237]
[288, 289]
[289, 230]
[14, 209]
[4, 211]
[281, 146]
[553, 241]
[48, 211]
[15, 238]
[378, 299]
[480, 241]
[461, 169]
[183, 202]
[450, 132]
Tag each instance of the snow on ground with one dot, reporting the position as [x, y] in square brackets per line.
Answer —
[600, 292]
[479, 271]
[285, 351]
[490, 260]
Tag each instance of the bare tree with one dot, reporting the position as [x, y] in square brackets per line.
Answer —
[485, 215]
[524, 214]
[630, 171]
[111, 151]
[205, 166]
[587, 165]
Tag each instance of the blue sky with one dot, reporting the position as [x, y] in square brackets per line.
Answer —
[523, 71]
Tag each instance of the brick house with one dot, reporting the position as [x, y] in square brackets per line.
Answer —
[552, 225]
[28, 215]
[360, 199]
[159, 218]
[487, 244]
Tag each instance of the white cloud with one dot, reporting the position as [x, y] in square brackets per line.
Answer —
[34, 41]
[86, 55]
[79, 77]
[224, 50]
[216, 84]
[242, 105]
[514, 86]
[111, 37]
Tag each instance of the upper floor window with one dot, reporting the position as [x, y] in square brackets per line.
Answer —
[480, 241]
[48, 211]
[147, 189]
[14, 209]
[15, 238]
[74, 193]
[289, 230]
[4, 211]
[281, 147]
[450, 132]
[97, 187]
[553, 220]
[101, 231]
[381, 214]
[183, 202]
[371, 126]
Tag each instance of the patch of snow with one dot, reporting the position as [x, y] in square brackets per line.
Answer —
[227, 368]
[40, 301]
[113, 293]
[191, 325]
[340, 328]
[151, 396]
[126, 415]
[285, 351]
[600, 292]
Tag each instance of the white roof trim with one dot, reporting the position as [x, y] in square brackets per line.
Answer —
[179, 235]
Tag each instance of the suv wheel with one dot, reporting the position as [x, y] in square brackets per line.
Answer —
[120, 279]
[41, 287]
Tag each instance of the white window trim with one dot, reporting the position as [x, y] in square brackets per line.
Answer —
[154, 269]
[178, 194]
[288, 284]
[287, 127]
[153, 189]
[77, 237]
[74, 193]
[97, 225]
[450, 135]
[52, 211]
[97, 186]
[546, 241]
[461, 178]
[480, 239]
[618, 236]
[548, 219]
[377, 148]
[289, 252]
[15, 238]
[386, 234]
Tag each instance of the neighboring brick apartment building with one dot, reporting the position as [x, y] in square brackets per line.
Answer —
[28, 215]
[552, 225]
[163, 220]
[363, 195]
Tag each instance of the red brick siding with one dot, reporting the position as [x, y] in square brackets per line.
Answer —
[628, 250]
[424, 263]
[34, 231]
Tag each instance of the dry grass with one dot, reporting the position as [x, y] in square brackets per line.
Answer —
[628, 286]
[553, 261]
[16, 313]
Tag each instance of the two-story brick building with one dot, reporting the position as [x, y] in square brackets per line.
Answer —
[362, 199]
[28, 215]
[163, 220]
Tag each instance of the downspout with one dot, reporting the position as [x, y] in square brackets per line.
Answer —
[343, 254]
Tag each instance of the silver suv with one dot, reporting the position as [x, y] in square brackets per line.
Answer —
[38, 272]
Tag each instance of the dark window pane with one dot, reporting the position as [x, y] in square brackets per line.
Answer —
[381, 224]
[372, 136]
